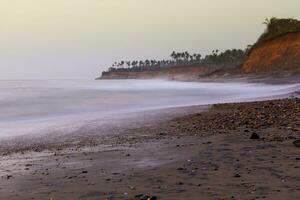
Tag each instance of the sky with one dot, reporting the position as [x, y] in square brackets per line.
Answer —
[77, 39]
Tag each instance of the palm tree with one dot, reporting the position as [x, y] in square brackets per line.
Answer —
[122, 63]
[270, 21]
[191, 57]
[147, 62]
[182, 55]
[186, 56]
[266, 22]
[128, 63]
[134, 63]
[173, 54]
[152, 62]
[141, 63]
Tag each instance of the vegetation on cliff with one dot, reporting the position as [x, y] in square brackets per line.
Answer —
[226, 59]
[278, 27]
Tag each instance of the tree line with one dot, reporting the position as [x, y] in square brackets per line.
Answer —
[225, 59]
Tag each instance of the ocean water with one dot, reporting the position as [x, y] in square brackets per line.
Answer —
[42, 106]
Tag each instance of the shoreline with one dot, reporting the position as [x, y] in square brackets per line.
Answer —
[204, 154]
[268, 78]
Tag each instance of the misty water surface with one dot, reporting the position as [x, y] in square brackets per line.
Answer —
[42, 105]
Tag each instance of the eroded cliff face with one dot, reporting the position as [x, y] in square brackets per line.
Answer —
[276, 55]
[173, 73]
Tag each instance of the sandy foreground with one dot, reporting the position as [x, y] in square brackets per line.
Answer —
[206, 154]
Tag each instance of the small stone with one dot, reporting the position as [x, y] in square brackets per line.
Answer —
[297, 143]
[139, 195]
[254, 136]
[145, 197]
[131, 187]
[9, 176]
[237, 176]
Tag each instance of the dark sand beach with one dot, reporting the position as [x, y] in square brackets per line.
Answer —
[206, 153]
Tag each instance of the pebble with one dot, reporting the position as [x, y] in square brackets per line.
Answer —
[145, 197]
[131, 187]
[237, 176]
[254, 136]
[9, 176]
[297, 143]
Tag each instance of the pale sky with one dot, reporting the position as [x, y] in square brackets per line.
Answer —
[62, 39]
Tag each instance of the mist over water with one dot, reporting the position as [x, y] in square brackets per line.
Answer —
[37, 106]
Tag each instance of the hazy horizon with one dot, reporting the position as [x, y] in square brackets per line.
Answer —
[61, 39]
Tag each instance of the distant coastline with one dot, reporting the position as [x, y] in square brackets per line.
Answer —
[277, 51]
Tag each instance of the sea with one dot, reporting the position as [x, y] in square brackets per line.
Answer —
[46, 106]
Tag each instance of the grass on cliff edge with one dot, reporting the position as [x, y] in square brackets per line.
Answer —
[278, 27]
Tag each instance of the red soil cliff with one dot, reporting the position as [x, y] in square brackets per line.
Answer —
[278, 54]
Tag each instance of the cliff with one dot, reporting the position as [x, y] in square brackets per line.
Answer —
[278, 54]
[277, 49]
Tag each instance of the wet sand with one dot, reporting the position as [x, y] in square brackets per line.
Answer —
[205, 154]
